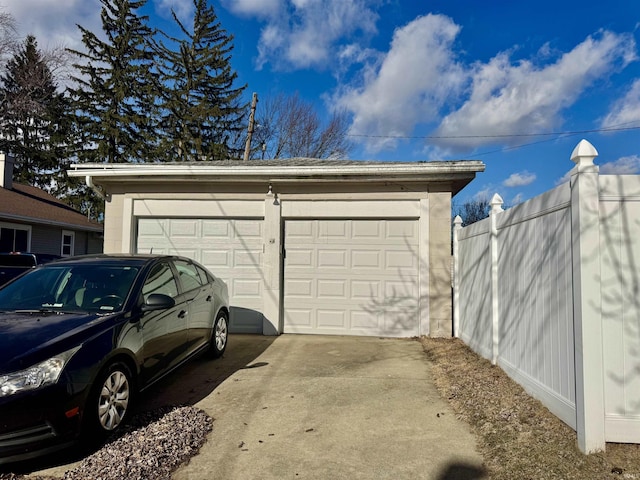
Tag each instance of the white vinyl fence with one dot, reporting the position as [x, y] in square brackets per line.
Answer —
[549, 290]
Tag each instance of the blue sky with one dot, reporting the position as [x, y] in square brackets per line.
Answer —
[515, 84]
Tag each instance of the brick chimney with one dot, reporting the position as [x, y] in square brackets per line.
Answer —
[6, 171]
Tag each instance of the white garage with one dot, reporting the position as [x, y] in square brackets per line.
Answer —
[306, 246]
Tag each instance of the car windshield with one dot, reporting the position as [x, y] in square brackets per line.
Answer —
[69, 288]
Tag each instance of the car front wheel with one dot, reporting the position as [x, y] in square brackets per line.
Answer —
[110, 401]
[219, 335]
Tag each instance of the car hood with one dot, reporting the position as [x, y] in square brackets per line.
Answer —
[29, 338]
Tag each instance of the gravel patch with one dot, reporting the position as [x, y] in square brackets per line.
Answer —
[150, 447]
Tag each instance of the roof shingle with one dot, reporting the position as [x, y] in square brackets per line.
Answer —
[33, 205]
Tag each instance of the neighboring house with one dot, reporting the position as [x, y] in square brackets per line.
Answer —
[31, 220]
[305, 245]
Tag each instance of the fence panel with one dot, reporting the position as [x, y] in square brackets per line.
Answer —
[620, 264]
[474, 259]
[535, 299]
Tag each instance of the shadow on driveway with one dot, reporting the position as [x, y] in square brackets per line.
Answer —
[198, 378]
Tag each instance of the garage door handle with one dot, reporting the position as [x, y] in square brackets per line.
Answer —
[182, 314]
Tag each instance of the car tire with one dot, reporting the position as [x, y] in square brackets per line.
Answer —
[110, 401]
[219, 335]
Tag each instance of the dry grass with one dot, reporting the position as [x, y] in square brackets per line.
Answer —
[517, 436]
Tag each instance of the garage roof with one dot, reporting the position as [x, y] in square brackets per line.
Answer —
[456, 173]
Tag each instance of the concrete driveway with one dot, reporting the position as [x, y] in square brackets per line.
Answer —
[314, 407]
[320, 407]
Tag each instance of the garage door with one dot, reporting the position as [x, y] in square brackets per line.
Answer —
[230, 248]
[351, 277]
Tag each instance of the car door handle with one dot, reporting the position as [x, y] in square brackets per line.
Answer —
[209, 298]
[182, 314]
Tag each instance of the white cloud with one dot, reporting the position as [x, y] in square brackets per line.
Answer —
[623, 166]
[485, 194]
[184, 9]
[519, 179]
[258, 8]
[626, 110]
[510, 98]
[409, 85]
[54, 24]
[305, 33]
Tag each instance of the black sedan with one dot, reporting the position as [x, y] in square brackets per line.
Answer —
[80, 337]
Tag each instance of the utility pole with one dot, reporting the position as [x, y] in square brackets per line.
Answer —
[247, 147]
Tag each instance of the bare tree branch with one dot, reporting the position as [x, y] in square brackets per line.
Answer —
[290, 127]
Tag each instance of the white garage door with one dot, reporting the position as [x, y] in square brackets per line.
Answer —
[351, 277]
[230, 248]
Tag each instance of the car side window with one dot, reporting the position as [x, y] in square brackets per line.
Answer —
[204, 275]
[189, 278]
[160, 280]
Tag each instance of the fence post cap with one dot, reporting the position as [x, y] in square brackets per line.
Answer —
[457, 221]
[584, 153]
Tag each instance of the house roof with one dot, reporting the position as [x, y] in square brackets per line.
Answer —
[457, 174]
[25, 203]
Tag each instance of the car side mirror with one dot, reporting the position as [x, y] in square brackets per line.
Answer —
[158, 301]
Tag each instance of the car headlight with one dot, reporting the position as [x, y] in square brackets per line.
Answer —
[38, 376]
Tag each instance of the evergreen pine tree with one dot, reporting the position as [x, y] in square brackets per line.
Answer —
[35, 120]
[115, 99]
[202, 114]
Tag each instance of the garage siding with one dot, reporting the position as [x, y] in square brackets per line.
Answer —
[230, 248]
[352, 277]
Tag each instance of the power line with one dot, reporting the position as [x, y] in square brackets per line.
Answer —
[514, 135]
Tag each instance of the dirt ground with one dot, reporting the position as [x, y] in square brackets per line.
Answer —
[518, 437]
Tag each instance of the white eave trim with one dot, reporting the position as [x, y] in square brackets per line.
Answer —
[424, 170]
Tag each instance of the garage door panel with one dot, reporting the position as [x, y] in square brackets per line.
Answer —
[215, 258]
[365, 321]
[331, 319]
[152, 228]
[300, 258]
[366, 230]
[366, 259]
[216, 229]
[246, 288]
[248, 259]
[183, 228]
[396, 290]
[332, 258]
[364, 275]
[300, 288]
[400, 259]
[299, 231]
[230, 248]
[299, 319]
[332, 289]
[401, 229]
[249, 231]
[365, 289]
[332, 230]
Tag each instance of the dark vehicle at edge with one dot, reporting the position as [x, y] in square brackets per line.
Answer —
[13, 264]
[80, 337]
